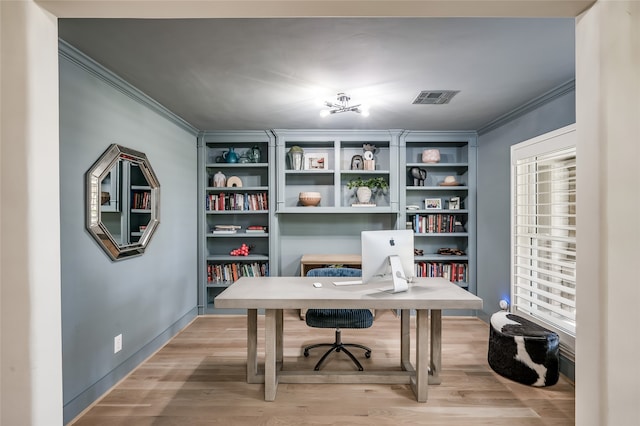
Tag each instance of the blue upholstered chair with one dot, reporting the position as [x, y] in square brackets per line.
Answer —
[338, 318]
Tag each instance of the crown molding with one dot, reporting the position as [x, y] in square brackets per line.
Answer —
[65, 50]
[529, 106]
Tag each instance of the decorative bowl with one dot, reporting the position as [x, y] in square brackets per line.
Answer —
[309, 199]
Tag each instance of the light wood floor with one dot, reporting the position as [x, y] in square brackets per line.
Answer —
[198, 378]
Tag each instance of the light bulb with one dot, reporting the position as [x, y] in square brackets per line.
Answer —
[365, 112]
[324, 113]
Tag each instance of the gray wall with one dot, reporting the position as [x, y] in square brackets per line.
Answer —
[146, 298]
[493, 202]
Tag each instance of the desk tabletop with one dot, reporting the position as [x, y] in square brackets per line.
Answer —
[299, 292]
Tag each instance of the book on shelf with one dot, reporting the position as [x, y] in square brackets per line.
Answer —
[452, 271]
[237, 201]
[437, 223]
[230, 272]
[141, 200]
[256, 229]
[226, 229]
[227, 226]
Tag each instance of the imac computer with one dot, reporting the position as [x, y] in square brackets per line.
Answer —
[387, 257]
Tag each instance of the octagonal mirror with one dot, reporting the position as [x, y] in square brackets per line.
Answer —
[123, 202]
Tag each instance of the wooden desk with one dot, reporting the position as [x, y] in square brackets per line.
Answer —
[428, 296]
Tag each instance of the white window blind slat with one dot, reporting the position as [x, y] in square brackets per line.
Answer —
[523, 281]
[559, 310]
[567, 252]
[541, 239]
[569, 265]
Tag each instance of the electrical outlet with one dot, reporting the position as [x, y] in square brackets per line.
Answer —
[117, 343]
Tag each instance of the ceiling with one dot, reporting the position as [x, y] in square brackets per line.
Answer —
[274, 73]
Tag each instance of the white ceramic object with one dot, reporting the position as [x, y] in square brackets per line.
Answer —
[449, 181]
[219, 180]
[364, 194]
[431, 156]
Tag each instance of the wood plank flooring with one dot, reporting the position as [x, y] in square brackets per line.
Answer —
[198, 378]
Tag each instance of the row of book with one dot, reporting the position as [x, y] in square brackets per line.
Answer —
[236, 201]
[234, 229]
[436, 223]
[141, 200]
[454, 272]
[230, 272]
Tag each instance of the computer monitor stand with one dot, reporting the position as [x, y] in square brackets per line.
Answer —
[400, 281]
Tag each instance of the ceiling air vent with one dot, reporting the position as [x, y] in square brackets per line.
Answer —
[434, 97]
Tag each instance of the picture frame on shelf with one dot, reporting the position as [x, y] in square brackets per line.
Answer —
[454, 203]
[316, 161]
[433, 204]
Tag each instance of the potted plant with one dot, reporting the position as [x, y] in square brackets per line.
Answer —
[366, 187]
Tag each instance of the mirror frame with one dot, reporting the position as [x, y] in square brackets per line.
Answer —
[94, 225]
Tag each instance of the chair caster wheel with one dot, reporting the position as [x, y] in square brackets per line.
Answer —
[360, 369]
[367, 354]
[306, 353]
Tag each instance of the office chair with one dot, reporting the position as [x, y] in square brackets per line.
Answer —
[338, 318]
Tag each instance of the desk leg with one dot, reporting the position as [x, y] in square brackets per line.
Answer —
[270, 355]
[252, 346]
[405, 340]
[422, 355]
[279, 338]
[436, 346]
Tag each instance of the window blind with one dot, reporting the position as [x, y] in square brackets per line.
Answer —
[543, 284]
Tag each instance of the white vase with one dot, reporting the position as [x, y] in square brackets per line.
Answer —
[219, 179]
[364, 194]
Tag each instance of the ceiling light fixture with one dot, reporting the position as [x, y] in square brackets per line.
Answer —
[343, 106]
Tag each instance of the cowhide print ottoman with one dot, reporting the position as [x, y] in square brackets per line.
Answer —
[522, 350]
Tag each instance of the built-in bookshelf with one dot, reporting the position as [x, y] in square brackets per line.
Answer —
[264, 212]
[235, 206]
[330, 160]
[438, 203]
[333, 227]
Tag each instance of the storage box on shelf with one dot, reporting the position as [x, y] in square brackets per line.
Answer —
[439, 203]
[237, 180]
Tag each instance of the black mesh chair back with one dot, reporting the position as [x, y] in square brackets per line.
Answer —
[338, 319]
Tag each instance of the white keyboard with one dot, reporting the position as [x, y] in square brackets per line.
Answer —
[356, 282]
